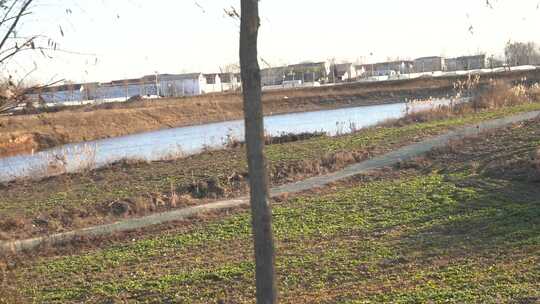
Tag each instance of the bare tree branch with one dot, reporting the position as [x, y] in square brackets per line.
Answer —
[8, 12]
[13, 17]
[42, 50]
[14, 24]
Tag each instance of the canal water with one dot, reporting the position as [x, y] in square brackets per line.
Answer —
[170, 143]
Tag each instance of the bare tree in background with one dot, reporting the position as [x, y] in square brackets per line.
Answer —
[521, 53]
[258, 175]
[230, 68]
[11, 12]
[11, 44]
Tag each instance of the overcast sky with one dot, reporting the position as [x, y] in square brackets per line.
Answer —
[131, 38]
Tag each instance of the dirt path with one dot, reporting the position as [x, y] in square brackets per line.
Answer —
[391, 158]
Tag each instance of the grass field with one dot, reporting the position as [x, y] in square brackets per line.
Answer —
[460, 225]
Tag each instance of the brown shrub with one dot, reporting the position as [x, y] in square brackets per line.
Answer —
[425, 116]
[417, 163]
[338, 160]
[534, 92]
[121, 207]
[279, 139]
[10, 223]
[149, 202]
[290, 171]
[500, 94]
[210, 188]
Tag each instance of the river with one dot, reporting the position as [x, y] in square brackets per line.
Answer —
[184, 141]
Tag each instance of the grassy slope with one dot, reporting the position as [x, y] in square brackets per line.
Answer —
[80, 196]
[454, 231]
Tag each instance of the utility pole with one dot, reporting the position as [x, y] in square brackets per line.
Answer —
[258, 176]
[372, 65]
[157, 84]
[221, 80]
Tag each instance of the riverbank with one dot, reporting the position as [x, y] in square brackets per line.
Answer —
[24, 134]
[132, 189]
[458, 225]
[31, 133]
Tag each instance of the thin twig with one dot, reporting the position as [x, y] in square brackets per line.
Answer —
[14, 24]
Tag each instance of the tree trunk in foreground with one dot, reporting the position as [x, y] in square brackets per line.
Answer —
[258, 177]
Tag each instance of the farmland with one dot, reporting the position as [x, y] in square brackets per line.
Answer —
[133, 188]
[457, 225]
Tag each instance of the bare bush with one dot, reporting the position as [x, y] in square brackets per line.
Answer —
[501, 94]
[12, 15]
[496, 95]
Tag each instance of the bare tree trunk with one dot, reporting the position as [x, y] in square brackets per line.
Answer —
[258, 176]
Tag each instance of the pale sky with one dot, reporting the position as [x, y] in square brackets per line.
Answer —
[132, 38]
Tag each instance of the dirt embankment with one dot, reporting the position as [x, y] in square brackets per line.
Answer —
[26, 143]
[26, 133]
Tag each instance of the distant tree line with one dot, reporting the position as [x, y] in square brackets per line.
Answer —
[522, 53]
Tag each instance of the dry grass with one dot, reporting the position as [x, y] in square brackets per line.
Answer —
[232, 142]
[495, 96]
[512, 153]
[501, 94]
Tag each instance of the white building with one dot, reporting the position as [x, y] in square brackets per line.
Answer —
[466, 63]
[176, 85]
[429, 64]
[213, 83]
[343, 72]
[230, 82]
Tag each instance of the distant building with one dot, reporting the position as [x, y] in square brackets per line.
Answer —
[122, 89]
[164, 85]
[62, 94]
[213, 83]
[493, 62]
[221, 82]
[58, 94]
[308, 71]
[342, 72]
[429, 64]
[389, 68]
[273, 76]
[175, 85]
[230, 81]
[360, 70]
[303, 72]
[465, 63]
